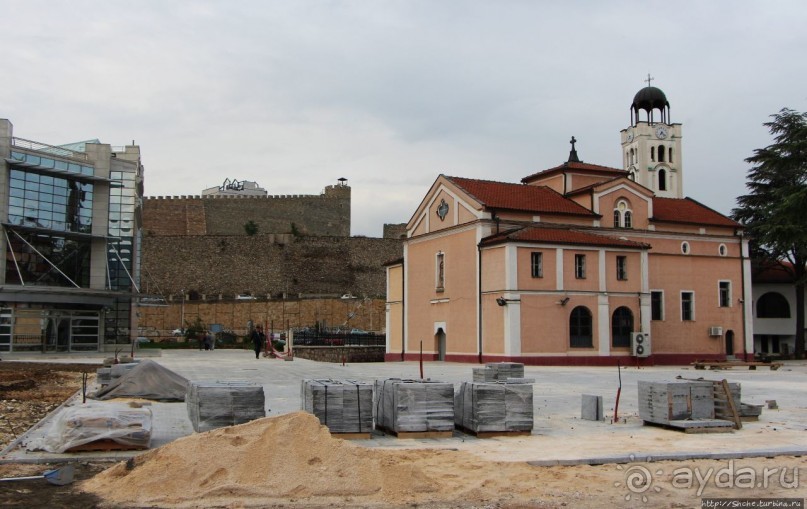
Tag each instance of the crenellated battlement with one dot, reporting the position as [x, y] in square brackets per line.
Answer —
[325, 214]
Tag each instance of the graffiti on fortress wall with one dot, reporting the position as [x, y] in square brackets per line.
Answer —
[264, 265]
[327, 214]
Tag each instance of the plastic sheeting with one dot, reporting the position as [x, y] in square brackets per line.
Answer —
[414, 405]
[146, 380]
[345, 406]
[91, 422]
[481, 407]
[217, 404]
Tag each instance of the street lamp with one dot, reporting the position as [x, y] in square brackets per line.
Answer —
[182, 312]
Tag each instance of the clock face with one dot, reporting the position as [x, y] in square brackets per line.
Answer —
[661, 132]
[629, 136]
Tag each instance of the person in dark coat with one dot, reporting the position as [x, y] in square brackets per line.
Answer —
[257, 340]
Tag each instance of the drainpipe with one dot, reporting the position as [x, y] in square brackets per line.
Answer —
[479, 299]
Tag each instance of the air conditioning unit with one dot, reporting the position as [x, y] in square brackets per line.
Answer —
[715, 331]
[640, 344]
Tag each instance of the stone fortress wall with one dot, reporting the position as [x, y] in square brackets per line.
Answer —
[196, 248]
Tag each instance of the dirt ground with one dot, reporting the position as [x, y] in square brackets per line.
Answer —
[28, 392]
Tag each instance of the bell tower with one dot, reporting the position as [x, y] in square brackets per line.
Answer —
[651, 147]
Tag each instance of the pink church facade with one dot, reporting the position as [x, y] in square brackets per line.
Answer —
[567, 267]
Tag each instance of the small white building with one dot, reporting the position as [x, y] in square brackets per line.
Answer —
[774, 308]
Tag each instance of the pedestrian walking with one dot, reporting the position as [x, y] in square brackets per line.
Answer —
[257, 340]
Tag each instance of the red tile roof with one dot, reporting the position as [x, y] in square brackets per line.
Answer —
[781, 272]
[689, 211]
[579, 167]
[507, 196]
[554, 235]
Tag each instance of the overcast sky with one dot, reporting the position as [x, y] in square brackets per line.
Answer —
[389, 94]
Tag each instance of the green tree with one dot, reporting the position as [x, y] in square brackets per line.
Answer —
[251, 227]
[774, 211]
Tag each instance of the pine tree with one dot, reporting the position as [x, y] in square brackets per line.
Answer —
[775, 210]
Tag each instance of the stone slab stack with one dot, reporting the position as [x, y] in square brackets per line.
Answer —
[217, 404]
[498, 372]
[414, 405]
[345, 406]
[663, 402]
[103, 376]
[494, 407]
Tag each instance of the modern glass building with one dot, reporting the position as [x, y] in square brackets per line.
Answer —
[70, 217]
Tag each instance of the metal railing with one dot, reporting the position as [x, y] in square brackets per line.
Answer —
[324, 338]
[48, 149]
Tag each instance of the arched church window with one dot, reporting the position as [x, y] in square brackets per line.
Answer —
[661, 153]
[662, 180]
[670, 158]
[623, 217]
[652, 153]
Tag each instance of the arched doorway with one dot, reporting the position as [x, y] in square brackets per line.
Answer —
[729, 342]
[440, 341]
[621, 327]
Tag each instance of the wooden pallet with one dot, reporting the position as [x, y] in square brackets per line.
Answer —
[494, 434]
[418, 434]
[352, 436]
[700, 426]
[105, 445]
[714, 365]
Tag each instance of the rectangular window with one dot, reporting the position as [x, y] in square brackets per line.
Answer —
[622, 268]
[724, 291]
[580, 266]
[537, 263]
[657, 305]
[687, 306]
[440, 271]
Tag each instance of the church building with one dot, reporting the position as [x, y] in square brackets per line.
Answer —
[577, 264]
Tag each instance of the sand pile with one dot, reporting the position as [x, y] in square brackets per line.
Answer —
[292, 459]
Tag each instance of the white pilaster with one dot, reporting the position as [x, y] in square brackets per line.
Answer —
[559, 269]
[604, 324]
[602, 274]
[512, 325]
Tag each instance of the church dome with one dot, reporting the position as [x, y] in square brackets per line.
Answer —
[650, 98]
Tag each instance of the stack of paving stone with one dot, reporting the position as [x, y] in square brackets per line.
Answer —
[103, 376]
[345, 406]
[494, 407]
[685, 405]
[118, 370]
[414, 405]
[217, 404]
[498, 372]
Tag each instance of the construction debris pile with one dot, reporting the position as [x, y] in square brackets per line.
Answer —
[76, 427]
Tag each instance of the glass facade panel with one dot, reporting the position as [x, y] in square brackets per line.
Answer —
[49, 198]
[71, 257]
